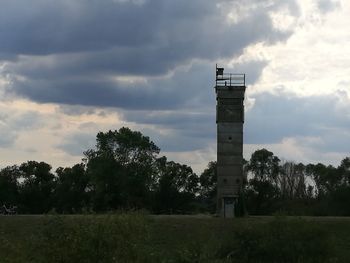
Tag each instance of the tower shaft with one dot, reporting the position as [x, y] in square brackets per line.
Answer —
[230, 90]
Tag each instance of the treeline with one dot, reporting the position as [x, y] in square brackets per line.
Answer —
[295, 188]
[125, 172]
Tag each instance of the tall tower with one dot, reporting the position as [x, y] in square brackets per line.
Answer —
[230, 89]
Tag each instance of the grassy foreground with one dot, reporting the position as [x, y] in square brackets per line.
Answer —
[142, 238]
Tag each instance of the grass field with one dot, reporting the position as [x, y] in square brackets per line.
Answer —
[144, 238]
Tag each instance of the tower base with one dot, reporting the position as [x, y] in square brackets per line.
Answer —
[228, 207]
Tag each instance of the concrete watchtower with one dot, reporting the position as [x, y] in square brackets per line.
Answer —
[230, 89]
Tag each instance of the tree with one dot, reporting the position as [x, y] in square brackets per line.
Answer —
[263, 187]
[127, 147]
[121, 169]
[327, 178]
[37, 187]
[336, 182]
[208, 186]
[344, 170]
[292, 181]
[176, 187]
[264, 166]
[106, 187]
[9, 186]
[71, 189]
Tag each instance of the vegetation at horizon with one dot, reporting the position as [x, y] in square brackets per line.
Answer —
[125, 172]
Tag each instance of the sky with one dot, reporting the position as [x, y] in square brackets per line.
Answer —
[72, 68]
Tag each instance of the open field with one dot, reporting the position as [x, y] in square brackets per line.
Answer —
[143, 238]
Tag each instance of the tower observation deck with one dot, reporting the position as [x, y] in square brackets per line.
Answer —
[230, 90]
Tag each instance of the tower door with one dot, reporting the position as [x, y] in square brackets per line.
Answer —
[229, 207]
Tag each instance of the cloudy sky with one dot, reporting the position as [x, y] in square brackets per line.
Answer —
[71, 68]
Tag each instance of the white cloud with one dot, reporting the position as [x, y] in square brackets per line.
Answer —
[314, 59]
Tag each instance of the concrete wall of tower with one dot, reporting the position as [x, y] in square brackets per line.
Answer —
[230, 119]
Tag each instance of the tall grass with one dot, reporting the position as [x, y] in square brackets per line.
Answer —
[283, 240]
[90, 239]
[137, 238]
[279, 240]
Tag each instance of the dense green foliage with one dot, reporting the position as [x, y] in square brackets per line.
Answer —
[125, 172]
[142, 238]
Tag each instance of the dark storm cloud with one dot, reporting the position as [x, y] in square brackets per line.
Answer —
[187, 88]
[51, 27]
[176, 40]
[67, 51]
[95, 92]
[48, 27]
[275, 117]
